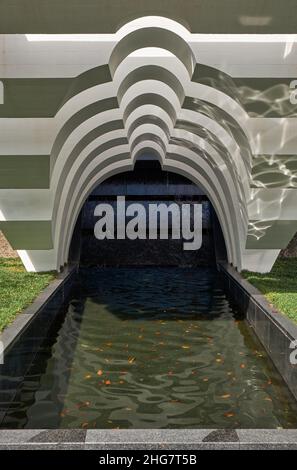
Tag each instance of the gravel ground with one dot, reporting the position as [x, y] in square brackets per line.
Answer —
[5, 249]
[291, 250]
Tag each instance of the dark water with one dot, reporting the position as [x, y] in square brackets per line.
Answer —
[152, 348]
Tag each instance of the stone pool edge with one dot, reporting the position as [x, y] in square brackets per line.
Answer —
[275, 331]
[60, 286]
[149, 439]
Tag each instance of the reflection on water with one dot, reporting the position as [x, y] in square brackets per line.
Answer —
[153, 348]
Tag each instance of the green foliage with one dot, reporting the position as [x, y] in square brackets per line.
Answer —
[18, 288]
[279, 286]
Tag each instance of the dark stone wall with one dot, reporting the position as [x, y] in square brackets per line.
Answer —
[146, 184]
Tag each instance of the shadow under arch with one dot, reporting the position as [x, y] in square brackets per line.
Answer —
[133, 182]
[104, 170]
[127, 165]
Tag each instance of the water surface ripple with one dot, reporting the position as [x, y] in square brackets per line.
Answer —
[154, 348]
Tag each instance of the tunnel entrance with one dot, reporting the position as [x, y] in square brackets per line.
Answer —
[148, 185]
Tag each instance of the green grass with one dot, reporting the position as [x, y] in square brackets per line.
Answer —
[279, 286]
[18, 288]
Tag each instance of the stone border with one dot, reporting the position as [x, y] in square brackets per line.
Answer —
[274, 330]
[59, 286]
[149, 439]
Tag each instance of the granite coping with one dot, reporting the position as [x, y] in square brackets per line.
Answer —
[149, 439]
[287, 326]
[22, 320]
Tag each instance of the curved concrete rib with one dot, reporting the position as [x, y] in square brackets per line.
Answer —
[152, 37]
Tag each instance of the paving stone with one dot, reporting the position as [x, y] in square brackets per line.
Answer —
[60, 435]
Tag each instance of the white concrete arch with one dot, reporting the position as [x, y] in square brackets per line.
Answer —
[158, 87]
[63, 157]
[148, 145]
[152, 36]
[220, 195]
[219, 165]
[77, 164]
[78, 132]
[127, 43]
[145, 144]
[221, 134]
[73, 140]
[129, 91]
[223, 101]
[195, 177]
[89, 95]
[179, 167]
[102, 117]
[148, 129]
[109, 170]
[148, 110]
[231, 157]
[233, 151]
[80, 100]
[203, 145]
[170, 73]
[149, 20]
[137, 103]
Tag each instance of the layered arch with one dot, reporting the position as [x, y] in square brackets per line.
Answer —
[221, 170]
[153, 37]
[112, 113]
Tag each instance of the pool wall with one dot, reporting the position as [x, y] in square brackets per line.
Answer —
[49, 300]
[33, 325]
[275, 331]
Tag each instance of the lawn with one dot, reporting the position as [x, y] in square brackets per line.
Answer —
[18, 288]
[279, 286]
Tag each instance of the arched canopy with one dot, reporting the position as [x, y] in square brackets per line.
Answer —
[113, 113]
[104, 136]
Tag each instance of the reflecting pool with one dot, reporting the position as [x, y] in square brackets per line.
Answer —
[150, 348]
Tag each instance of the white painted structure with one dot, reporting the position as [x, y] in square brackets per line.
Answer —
[152, 85]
